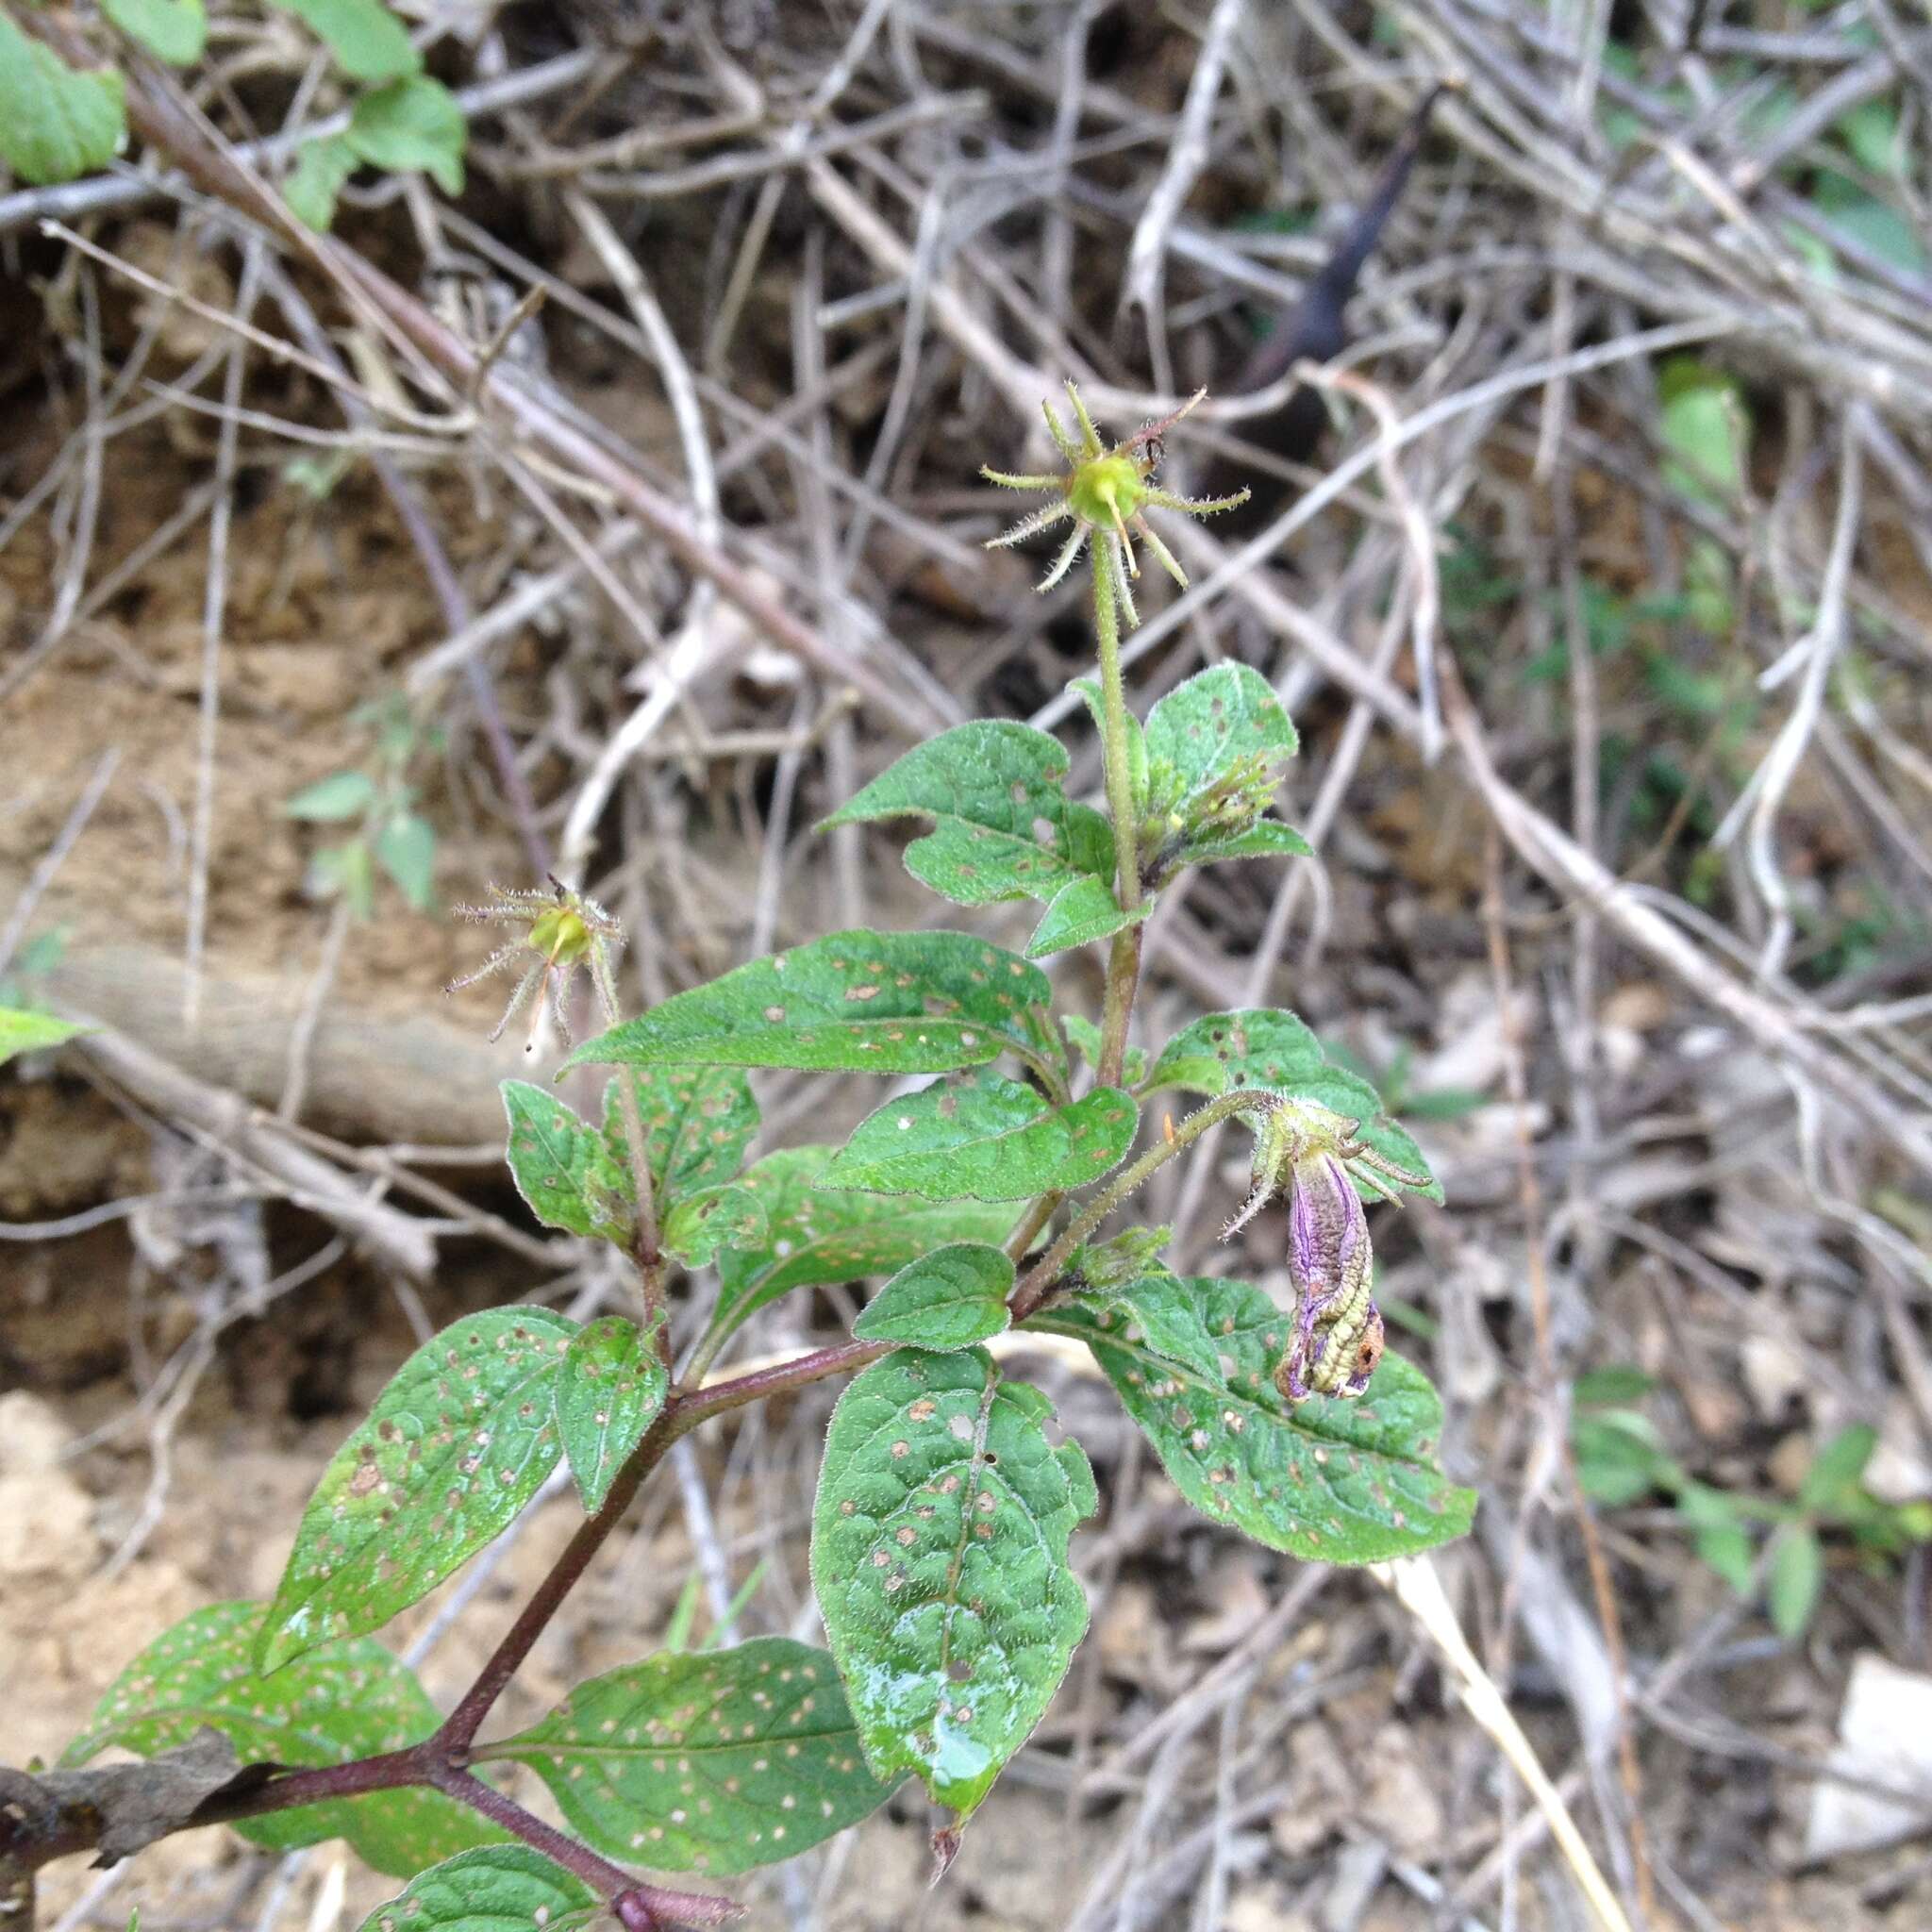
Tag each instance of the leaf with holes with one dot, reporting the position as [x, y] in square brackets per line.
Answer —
[497, 1889]
[857, 1001]
[1332, 1481]
[367, 39]
[982, 1137]
[698, 1121]
[821, 1236]
[55, 123]
[1261, 1046]
[457, 1444]
[342, 1701]
[1002, 827]
[939, 1554]
[698, 1225]
[714, 1762]
[23, 1032]
[1201, 730]
[608, 1391]
[951, 1298]
[565, 1169]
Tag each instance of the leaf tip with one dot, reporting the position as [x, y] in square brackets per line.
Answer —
[945, 1848]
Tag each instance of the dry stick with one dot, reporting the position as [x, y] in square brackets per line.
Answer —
[54, 856]
[1529, 1189]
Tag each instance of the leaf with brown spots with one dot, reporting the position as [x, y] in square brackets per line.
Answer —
[1333, 1481]
[698, 1121]
[457, 1444]
[608, 1391]
[564, 1168]
[820, 1236]
[342, 1701]
[939, 1552]
[708, 1763]
[855, 1003]
[982, 1137]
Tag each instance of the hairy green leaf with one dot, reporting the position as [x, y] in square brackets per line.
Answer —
[33, 1032]
[1268, 840]
[698, 1121]
[457, 1444]
[171, 30]
[939, 1554]
[1086, 1039]
[699, 1225]
[565, 1169]
[496, 1889]
[409, 125]
[608, 1391]
[1203, 727]
[1082, 910]
[55, 123]
[981, 1138]
[711, 1762]
[1329, 1480]
[818, 1236]
[1002, 827]
[321, 170]
[369, 43]
[951, 1298]
[1261, 1046]
[342, 1701]
[1115, 1265]
[856, 1002]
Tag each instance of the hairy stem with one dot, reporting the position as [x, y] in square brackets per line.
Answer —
[1124, 960]
[1041, 1280]
[649, 1259]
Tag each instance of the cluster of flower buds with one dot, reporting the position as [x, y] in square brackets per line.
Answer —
[1306, 1151]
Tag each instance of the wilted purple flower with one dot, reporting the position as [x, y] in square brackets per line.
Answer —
[1337, 1328]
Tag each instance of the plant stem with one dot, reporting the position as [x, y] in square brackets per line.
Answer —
[1123, 959]
[641, 1907]
[1041, 1279]
[649, 1259]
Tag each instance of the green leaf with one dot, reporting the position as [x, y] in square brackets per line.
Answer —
[1269, 838]
[1870, 223]
[1329, 1480]
[951, 1298]
[939, 1554]
[321, 170]
[715, 1763]
[1262, 1046]
[1614, 1382]
[1871, 133]
[171, 30]
[341, 795]
[460, 1439]
[820, 1236]
[347, 869]
[55, 123]
[1082, 910]
[367, 39]
[412, 125]
[406, 849]
[856, 1002]
[1115, 1265]
[1797, 1576]
[498, 1888]
[608, 1391]
[698, 1121]
[33, 1032]
[697, 1225]
[565, 1169]
[982, 1137]
[1002, 827]
[1202, 728]
[1837, 1468]
[1084, 1037]
[1706, 429]
[1620, 1457]
[342, 1701]
[1157, 1312]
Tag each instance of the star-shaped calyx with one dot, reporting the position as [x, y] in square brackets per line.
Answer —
[1107, 492]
